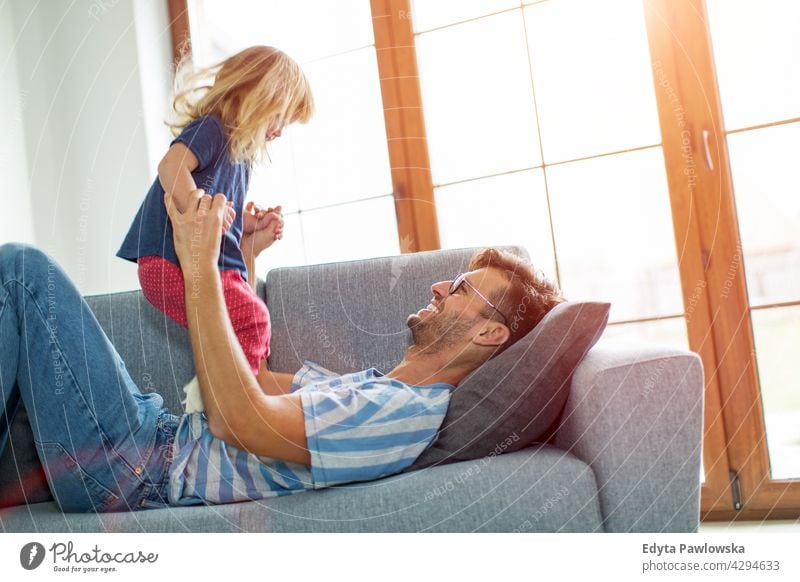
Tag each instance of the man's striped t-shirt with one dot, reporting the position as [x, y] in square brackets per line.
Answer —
[359, 427]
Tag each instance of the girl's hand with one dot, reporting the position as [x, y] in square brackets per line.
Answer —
[269, 228]
[228, 217]
[256, 217]
[272, 214]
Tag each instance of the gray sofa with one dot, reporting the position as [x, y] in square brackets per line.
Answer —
[625, 458]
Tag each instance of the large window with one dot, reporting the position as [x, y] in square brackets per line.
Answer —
[543, 132]
[331, 175]
[759, 86]
[641, 150]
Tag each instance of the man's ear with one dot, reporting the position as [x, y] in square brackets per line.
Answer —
[492, 333]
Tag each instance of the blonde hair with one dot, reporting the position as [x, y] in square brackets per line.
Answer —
[255, 90]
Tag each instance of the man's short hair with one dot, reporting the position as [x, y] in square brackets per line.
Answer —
[526, 300]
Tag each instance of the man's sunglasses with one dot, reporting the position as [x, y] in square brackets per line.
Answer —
[460, 280]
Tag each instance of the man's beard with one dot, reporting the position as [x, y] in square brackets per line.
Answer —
[436, 333]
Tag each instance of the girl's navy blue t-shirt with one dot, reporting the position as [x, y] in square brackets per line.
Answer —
[151, 231]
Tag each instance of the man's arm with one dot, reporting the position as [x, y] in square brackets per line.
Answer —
[238, 411]
[259, 419]
[274, 383]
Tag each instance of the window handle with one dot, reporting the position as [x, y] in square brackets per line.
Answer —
[709, 163]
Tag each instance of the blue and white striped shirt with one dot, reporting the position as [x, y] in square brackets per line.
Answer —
[359, 427]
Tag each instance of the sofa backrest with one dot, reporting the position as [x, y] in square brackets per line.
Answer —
[155, 349]
[345, 316]
[352, 315]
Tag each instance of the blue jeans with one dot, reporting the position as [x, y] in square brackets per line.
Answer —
[103, 444]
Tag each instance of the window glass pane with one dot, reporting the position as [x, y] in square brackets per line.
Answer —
[591, 69]
[764, 168]
[351, 231]
[273, 182]
[501, 210]
[756, 46]
[777, 338]
[665, 332]
[478, 101]
[308, 29]
[341, 154]
[613, 233]
[429, 14]
[285, 252]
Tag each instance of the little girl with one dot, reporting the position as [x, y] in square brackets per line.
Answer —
[226, 117]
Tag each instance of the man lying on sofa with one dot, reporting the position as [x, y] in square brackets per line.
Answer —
[105, 446]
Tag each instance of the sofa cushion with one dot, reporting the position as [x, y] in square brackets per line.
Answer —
[539, 489]
[516, 398]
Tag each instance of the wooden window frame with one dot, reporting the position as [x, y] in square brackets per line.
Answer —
[737, 480]
[738, 483]
[417, 225]
[180, 35]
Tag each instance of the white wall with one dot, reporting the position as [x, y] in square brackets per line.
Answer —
[93, 81]
[154, 45]
[16, 218]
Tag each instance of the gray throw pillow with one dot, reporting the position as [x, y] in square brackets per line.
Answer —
[516, 398]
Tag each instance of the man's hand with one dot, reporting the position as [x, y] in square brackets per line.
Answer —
[197, 233]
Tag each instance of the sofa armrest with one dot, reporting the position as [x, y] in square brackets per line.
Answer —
[635, 415]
